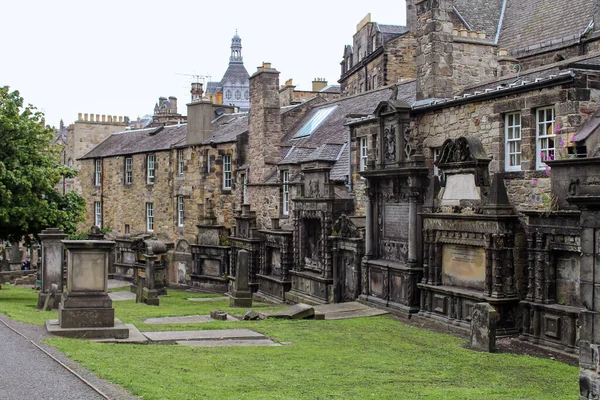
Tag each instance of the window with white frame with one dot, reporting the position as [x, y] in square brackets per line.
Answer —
[151, 163]
[227, 172]
[150, 217]
[544, 135]
[207, 160]
[285, 191]
[375, 82]
[358, 53]
[374, 42]
[98, 214]
[363, 153]
[180, 212]
[128, 170]
[98, 172]
[512, 142]
[180, 162]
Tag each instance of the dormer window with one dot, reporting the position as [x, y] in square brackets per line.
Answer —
[374, 41]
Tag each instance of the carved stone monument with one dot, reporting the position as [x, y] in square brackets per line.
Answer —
[85, 310]
[51, 271]
[240, 296]
[150, 271]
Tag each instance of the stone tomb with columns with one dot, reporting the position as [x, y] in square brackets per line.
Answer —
[469, 231]
[85, 309]
[396, 179]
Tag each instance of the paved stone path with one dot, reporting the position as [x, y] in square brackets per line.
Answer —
[120, 296]
[28, 373]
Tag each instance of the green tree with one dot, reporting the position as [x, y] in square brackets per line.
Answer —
[30, 169]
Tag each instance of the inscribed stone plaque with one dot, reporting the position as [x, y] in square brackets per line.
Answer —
[211, 268]
[463, 266]
[395, 221]
[460, 187]
[128, 257]
[88, 272]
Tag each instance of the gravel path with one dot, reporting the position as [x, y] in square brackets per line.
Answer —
[28, 373]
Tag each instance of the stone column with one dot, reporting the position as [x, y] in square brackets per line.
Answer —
[240, 296]
[51, 269]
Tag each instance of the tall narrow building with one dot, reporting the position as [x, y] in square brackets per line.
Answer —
[234, 88]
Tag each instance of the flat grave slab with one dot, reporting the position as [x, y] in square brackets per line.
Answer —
[188, 319]
[369, 312]
[116, 283]
[135, 337]
[120, 296]
[208, 298]
[340, 307]
[232, 342]
[221, 334]
[297, 311]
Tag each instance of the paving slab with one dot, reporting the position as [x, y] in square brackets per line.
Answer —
[230, 342]
[340, 307]
[135, 337]
[221, 334]
[188, 319]
[208, 298]
[120, 296]
[116, 283]
[369, 312]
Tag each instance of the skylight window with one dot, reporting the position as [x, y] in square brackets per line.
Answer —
[316, 120]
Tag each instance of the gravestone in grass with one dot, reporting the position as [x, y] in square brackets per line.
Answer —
[483, 327]
[240, 296]
[51, 269]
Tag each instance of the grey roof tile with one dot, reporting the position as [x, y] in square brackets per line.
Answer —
[339, 172]
[481, 15]
[532, 25]
[227, 127]
[236, 72]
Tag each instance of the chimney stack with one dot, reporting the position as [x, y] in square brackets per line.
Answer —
[197, 91]
[434, 47]
[318, 84]
[173, 101]
[199, 117]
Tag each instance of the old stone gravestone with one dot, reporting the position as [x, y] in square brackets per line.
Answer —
[483, 327]
[51, 271]
[240, 296]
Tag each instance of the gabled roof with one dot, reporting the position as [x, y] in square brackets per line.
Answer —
[530, 26]
[389, 32]
[139, 141]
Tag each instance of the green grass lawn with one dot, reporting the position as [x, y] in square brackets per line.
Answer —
[365, 358]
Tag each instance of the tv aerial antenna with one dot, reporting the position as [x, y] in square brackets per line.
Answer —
[197, 78]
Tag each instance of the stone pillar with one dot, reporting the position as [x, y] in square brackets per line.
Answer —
[51, 269]
[240, 295]
[85, 310]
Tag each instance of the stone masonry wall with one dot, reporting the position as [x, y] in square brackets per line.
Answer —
[400, 64]
[474, 62]
[485, 120]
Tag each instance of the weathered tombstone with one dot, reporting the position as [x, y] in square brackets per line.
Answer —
[50, 298]
[241, 296]
[14, 260]
[483, 327]
[297, 311]
[85, 310]
[218, 315]
[51, 267]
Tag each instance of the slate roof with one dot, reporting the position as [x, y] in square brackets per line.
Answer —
[389, 32]
[590, 63]
[331, 89]
[332, 130]
[139, 141]
[227, 127]
[212, 87]
[480, 15]
[531, 25]
[236, 72]
[340, 170]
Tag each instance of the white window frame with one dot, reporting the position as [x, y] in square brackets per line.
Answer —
[544, 141]
[374, 41]
[150, 166]
[227, 172]
[512, 141]
[128, 170]
[150, 217]
[180, 211]
[375, 82]
[98, 172]
[363, 153]
[98, 214]
[180, 162]
[207, 160]
[285, 193]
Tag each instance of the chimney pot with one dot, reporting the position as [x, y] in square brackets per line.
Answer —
[79, 116]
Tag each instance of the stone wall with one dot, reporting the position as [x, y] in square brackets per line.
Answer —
[400, 54]
[474, 62]
[485, 120]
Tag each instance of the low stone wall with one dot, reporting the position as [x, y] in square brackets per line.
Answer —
[12, 276]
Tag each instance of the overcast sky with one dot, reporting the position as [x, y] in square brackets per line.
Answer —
[118, 57]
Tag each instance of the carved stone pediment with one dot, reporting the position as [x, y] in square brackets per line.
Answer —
[464, 155]
[345, 228]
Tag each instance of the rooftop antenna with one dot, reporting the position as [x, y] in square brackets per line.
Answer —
[198, 77]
